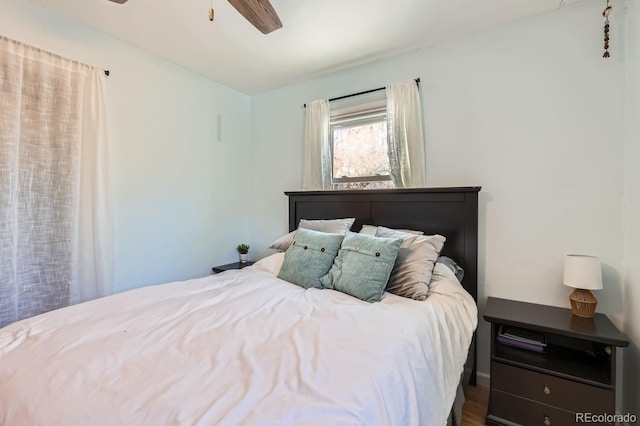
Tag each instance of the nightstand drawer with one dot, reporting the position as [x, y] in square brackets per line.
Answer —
[528, 413]
[551, 390]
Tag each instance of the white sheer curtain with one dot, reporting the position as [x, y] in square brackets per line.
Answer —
[317, 149]
[404, 128]
[55, 212]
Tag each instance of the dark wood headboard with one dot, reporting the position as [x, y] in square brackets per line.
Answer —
[450, 212]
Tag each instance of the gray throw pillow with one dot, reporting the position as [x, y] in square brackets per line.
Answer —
[451, 264]
[414, 265]
[333, 226]
[309, 257]
[362, 266]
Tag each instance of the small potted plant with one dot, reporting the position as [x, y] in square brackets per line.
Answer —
[243, 249]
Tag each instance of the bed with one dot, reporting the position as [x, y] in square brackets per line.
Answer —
[244, 347]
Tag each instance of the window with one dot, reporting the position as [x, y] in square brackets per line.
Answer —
[359, 150]
[356, 146]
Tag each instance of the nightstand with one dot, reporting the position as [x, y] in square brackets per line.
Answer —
[230, 266]
[576, 373]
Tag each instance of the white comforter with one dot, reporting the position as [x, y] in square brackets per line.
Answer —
[239, 348]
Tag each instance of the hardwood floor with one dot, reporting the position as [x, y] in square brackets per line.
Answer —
[475, 407]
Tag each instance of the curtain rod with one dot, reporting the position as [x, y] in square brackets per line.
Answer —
[55, 55]
[361, 93]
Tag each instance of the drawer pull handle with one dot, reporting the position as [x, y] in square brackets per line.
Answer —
[547, 390]
[547, 421]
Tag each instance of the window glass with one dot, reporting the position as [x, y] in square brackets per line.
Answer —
[360, 157]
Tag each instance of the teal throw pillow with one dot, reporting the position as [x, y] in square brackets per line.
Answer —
[309, 257]
[363, 266]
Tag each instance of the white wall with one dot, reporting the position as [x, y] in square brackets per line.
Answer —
[177, 209]
[530, 111]
[632, 212]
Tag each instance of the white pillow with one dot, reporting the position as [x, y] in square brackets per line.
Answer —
[369, 230]
[271, 264]
[284, 242]
[373, 230]
[331, 226]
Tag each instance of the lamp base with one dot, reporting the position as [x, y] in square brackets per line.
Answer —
[583, 303]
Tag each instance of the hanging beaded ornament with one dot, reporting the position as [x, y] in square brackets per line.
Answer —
[606, 13]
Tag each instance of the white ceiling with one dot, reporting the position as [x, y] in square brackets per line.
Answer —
[318, 36]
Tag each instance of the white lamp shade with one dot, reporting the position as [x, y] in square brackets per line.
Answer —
[582, 271]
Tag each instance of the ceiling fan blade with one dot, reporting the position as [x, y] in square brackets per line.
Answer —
[119, 1]
[260, 13]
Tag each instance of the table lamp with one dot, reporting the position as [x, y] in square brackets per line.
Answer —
[583, 273]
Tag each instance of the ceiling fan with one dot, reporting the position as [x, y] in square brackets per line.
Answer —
[259, 13]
